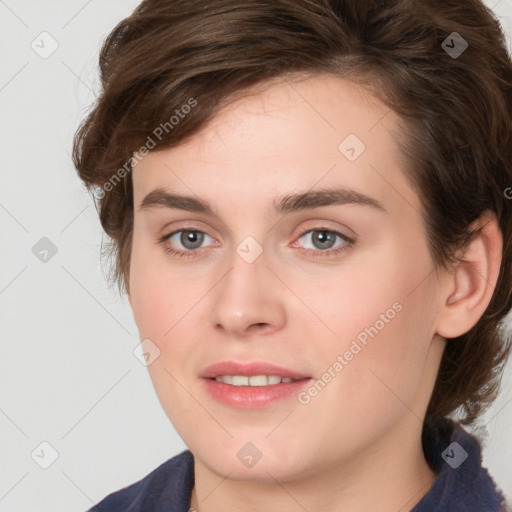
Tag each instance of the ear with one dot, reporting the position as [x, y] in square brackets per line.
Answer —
[470, 284]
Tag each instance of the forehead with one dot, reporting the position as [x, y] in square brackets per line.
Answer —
[285, 135]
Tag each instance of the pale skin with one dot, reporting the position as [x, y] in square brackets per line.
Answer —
[357, 445]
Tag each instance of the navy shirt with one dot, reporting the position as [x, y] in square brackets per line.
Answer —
[461, 485]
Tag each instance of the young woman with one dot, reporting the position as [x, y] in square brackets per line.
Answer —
[307, 202]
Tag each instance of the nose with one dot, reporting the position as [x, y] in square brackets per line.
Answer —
[249, 299]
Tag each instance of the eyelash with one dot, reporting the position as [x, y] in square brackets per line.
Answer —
[349, 242]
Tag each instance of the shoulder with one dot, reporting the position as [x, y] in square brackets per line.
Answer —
[166, 488]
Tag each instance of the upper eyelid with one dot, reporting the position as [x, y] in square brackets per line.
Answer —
[315, 225]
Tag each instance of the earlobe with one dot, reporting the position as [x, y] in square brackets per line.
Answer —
[470, 285]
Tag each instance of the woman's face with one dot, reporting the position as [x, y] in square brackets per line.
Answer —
[333, 288]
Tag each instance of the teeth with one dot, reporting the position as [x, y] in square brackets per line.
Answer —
[255, 380]
[240, 381]
[273, 379]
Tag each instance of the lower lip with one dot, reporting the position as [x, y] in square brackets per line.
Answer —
[253, 397]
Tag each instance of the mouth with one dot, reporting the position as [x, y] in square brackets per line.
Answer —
[252, 385]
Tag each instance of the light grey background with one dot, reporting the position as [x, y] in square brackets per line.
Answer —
[68, 375]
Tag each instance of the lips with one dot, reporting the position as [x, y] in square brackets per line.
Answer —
[249, 369]
[252, 396]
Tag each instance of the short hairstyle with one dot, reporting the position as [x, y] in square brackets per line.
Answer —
[454, 109]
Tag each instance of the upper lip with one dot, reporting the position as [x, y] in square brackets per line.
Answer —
[249, 369]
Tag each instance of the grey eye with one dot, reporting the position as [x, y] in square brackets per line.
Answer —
[321, 239]
[191, 239]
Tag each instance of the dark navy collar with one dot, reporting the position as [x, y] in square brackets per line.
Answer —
[462, 484]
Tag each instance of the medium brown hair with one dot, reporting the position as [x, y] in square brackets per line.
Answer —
[455, 110]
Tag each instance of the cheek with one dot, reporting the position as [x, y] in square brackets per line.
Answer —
[159, 297]
[380, 317]
[152, 305]
[378, 361]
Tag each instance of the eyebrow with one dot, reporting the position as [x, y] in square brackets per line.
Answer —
[287, 204]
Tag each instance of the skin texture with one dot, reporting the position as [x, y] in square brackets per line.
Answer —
[355, 446]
